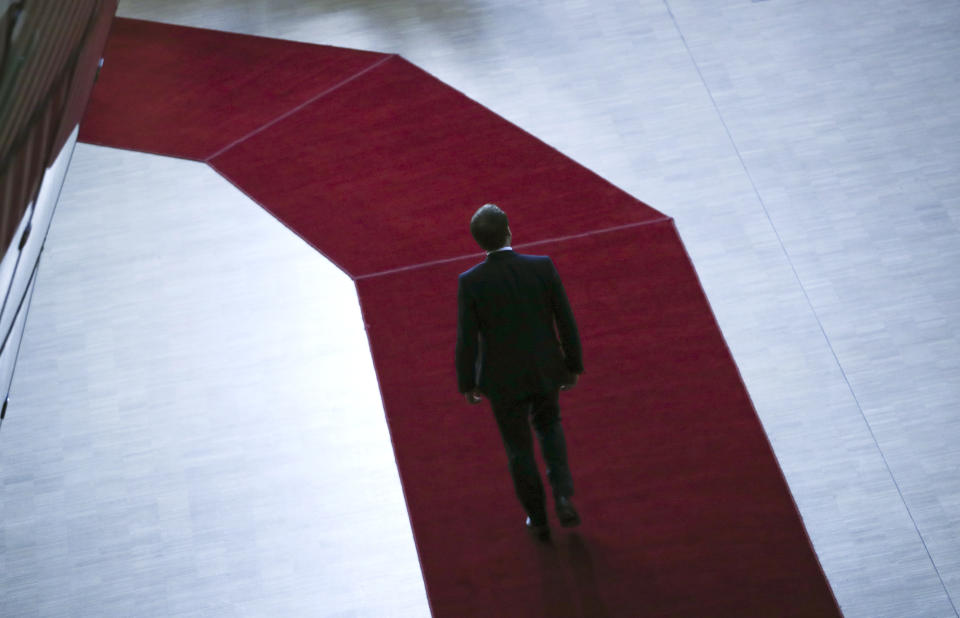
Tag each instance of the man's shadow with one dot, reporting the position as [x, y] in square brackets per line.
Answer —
[585, 577]
[563, 559]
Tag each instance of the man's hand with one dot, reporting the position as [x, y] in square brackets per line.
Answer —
[473, 397]
[574, 378]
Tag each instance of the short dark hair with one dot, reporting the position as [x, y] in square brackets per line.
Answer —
[490, 227]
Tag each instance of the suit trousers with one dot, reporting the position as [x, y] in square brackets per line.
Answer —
[514, 419]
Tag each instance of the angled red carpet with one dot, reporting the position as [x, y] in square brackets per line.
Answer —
[394, 157]
[189, 92]
[379, 166]
[685, 510]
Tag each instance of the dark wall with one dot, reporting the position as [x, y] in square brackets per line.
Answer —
[49, 56]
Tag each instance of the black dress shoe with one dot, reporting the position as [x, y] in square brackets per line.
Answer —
[542, 531]
[567, 514]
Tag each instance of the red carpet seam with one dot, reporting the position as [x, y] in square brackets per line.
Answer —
[534, 243]
[298, 108]
[309, 243]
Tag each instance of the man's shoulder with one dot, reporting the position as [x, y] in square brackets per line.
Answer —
[536, 259]
[538, 263]
[477, 270]
[471, 272]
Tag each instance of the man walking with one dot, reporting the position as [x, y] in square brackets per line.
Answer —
[511, 310]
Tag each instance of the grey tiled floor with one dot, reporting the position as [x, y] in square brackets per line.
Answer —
[195, 427]
[810, 152]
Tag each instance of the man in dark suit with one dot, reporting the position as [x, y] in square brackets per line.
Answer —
[511, 309]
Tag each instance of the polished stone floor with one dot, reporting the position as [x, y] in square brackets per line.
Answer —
[195, 427]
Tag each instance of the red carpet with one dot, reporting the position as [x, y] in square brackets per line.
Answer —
[394, 156]
[686, 511]
[188, 94]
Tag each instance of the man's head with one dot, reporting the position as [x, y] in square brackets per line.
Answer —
[490, 227]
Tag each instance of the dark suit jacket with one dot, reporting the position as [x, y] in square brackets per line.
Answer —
[507, 345]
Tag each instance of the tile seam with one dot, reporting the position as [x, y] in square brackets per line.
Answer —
[813, 310]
